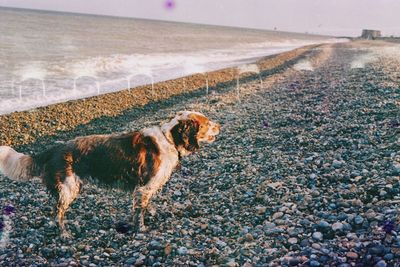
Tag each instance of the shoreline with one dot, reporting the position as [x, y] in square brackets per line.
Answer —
[24, 127]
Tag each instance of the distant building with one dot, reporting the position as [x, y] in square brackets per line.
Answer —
[370, 34]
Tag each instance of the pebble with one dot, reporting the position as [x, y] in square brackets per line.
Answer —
[314, 263]
[305, 243]
[351, 255]
[269, 225]
[231, 263]
[318, 236]
[203, 226]
[337, 164]
[277, 215]
[316, 246]
[167, 249]
[221, 243]
[377, 250]
[358, 219]
[292, 240]
[130, 261]
[381, 263]
[182, 251]
[294, 261]
[261, 210]
[154, 244]
[177, 193]
[218, 218]
[324, 225]
[249, 237]
[337, 226]
[97, 258]
[389, 257]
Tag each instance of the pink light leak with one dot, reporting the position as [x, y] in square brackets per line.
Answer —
[169, 4]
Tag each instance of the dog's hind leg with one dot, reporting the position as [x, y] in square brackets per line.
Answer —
[68, 191]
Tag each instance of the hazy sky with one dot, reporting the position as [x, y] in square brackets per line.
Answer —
[336, 17]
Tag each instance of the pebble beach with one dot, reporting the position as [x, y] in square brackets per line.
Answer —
[305, 172]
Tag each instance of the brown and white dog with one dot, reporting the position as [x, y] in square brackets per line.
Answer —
[138, 161]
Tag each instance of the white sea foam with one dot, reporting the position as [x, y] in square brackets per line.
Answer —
[32, 70]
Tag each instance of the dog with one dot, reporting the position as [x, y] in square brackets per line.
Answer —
[140, 162]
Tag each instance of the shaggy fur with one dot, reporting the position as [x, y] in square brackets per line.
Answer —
[140, 162]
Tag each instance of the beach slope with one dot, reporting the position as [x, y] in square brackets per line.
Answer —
[305, 171]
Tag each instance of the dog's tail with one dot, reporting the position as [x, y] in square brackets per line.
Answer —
[16, 166]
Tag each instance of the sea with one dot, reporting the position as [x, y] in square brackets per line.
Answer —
[51, 57]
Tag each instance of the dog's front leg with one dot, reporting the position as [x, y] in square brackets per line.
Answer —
[140, 203]
[138, 220]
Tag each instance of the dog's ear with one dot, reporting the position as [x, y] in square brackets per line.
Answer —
[185, 134]
[191, 129]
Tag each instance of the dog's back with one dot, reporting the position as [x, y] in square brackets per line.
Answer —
[123, 161]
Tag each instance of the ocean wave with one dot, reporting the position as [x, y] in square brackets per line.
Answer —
[79, 78]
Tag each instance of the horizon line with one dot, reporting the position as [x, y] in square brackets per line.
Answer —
[166, 21]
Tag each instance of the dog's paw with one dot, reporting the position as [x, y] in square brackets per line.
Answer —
[65, 235]
[143, 229]
[140, 228]
[152, 210]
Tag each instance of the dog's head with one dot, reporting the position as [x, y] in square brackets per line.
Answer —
[188, 129]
